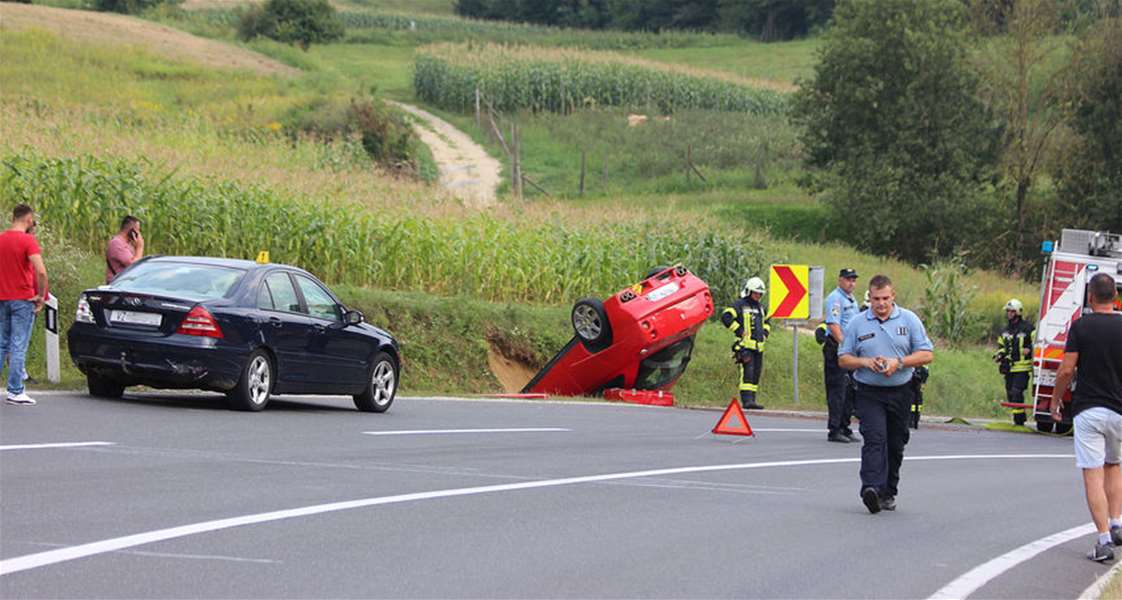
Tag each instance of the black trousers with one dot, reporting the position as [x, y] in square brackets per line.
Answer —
[750, 377]
[839, 399]
[884, 413]
[1015, 385]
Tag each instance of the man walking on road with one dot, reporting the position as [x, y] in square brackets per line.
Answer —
[124, 248]
[883, 346]
[23, 290]
[841, 307]
[1093, 357]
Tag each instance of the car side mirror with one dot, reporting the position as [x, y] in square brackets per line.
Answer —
[353, 317]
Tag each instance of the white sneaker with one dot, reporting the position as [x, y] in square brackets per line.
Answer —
[20, 400]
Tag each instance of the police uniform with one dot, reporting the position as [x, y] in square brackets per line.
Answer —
[840, 310]
[1015, 358]
[884, 403]
[746, 319]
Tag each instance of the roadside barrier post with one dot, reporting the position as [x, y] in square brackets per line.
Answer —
[50, 321]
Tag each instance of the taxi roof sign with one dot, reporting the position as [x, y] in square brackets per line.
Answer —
[789, 297]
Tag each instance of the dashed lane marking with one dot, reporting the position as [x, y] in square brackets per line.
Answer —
[42, 559]
[440, 431]
[58, 445]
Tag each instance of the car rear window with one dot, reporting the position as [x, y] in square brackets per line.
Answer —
[180, 280]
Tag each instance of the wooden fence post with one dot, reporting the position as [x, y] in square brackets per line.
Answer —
[478, 122]
[583, 163]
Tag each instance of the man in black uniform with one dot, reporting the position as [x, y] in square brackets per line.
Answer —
[1014, 356]
[746, 319]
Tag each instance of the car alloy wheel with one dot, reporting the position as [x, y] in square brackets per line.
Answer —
[587, 322]
[383, 383]
[260, 379]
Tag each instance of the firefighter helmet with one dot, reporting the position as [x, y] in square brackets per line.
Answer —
[1015, 305]
[754, 284]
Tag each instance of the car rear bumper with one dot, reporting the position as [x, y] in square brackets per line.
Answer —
[178, 361]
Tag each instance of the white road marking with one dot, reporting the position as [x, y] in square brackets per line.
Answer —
[975, 578]
[178, 555]
[1095, 591]
[42, 559]
[792, 430]
[59, 445]
[439, 431]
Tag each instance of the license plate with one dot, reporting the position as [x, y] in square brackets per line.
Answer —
[135, 318]
[662, 292]
[1046, 378]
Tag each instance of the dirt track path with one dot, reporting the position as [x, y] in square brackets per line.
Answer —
[109, 28]
[466, 169]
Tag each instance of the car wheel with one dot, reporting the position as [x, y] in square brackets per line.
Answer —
[381, 386]
[590, 323]
[1044, 427]
[256, 383]
[100, 387]
[655, 271]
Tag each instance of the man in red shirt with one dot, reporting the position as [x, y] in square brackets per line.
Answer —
[124, 248]
[22, 275]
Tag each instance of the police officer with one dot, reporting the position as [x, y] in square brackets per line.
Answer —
[1014, 356]
[841, 307]
[883, 346]
[746, 319]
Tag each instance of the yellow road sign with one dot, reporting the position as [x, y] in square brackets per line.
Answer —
[787, 295]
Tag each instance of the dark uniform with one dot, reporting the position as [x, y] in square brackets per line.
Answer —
[746, 319]
[1014, 356]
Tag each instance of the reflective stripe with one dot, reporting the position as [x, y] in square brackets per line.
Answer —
[749, 387]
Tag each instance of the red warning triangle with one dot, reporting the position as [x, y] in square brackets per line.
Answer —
[733, 422]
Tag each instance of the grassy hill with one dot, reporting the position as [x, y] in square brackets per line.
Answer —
[221, 132]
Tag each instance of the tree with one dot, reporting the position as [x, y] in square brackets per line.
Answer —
[897, 140]
[301, 22]
[1090, 179]
[1021, 85]
[771, 20]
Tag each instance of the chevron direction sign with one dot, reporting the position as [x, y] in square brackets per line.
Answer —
[789, 296]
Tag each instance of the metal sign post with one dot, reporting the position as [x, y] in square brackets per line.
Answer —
[50, 321]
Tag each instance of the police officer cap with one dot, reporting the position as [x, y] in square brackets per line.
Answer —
[848, 273]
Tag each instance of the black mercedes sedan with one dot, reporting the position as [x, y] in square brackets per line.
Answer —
[235, 326]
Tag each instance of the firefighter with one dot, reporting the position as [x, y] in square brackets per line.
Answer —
[746, 319]
[1014, 356]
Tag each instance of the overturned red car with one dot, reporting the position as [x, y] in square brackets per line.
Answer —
[640, 338]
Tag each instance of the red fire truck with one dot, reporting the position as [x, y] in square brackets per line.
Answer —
[1071, 263]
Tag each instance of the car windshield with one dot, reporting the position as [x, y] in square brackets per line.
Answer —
[180, 280]
[664, 366]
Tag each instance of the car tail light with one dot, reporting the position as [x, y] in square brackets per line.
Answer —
[83, 314]
[200, 322]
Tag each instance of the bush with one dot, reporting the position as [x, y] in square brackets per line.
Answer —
[300, 22]
[128, 7]
[946, 302]
[385, 135]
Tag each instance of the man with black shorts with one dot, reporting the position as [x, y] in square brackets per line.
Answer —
[1093, 357]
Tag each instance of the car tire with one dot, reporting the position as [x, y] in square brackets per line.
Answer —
[255, 385]
[1063, 428]
[655, 271]
[101, 387]
[1044, 426]
[381, 385]
[590, 323]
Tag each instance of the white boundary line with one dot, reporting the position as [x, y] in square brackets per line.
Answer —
[490, 430]
[58, 445]
[975, 578]
[1095, 591]
[42, 559]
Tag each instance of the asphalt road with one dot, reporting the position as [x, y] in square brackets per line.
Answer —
[505, 514]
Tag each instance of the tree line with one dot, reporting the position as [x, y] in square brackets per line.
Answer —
[765, 19]
[929, 136]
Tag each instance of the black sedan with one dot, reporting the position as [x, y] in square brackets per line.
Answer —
[246, 329]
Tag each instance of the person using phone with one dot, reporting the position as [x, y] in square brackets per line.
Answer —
[124, 248]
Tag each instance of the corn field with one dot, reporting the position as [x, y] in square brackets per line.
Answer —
[433, 28]
[83, 199]
[564, 80]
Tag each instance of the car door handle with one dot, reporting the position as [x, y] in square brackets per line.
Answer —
[275, 322]
[319, 328]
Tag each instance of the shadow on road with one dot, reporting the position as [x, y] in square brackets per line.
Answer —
[215, 402]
